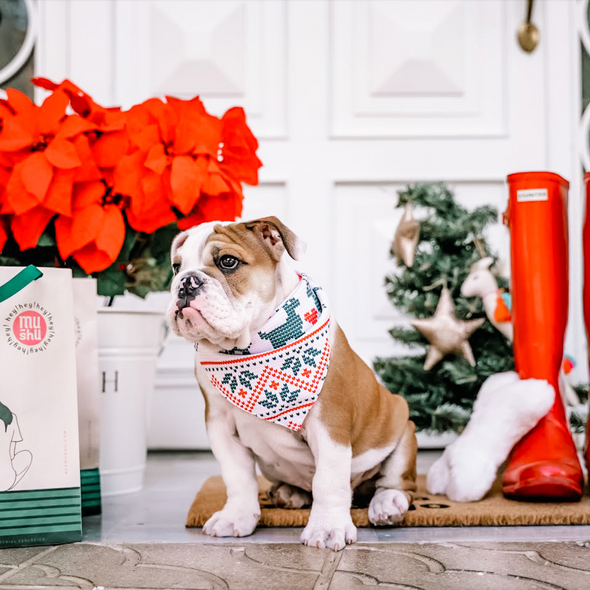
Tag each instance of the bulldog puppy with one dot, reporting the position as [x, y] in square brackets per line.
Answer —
[283, 389]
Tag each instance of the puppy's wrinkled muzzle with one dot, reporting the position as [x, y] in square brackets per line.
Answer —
[188, 290]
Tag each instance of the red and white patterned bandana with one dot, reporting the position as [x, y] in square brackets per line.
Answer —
[280, 375]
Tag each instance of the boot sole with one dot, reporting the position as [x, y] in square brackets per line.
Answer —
[544, 489]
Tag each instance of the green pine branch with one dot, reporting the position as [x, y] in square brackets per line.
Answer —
[451, 238]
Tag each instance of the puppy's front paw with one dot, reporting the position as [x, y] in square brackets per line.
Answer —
[388, 507]
[229, 523]
[333, 533]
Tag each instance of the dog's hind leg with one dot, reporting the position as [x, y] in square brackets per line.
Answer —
[396, 484]
[284, 495]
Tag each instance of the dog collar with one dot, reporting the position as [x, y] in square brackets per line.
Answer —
[279, 376]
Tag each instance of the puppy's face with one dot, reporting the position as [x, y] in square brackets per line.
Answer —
[226, 279]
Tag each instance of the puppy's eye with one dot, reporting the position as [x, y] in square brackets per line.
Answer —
[176, 268]
[228, 262]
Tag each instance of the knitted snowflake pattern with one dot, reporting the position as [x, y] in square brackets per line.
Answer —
[279, 376]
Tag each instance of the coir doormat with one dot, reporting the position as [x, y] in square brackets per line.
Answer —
[427, 510]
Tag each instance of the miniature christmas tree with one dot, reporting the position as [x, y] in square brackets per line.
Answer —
[439, 252]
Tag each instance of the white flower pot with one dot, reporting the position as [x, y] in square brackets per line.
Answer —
[128, 346]
[435, 440]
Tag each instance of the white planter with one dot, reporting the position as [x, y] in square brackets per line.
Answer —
[128, 346]
[431, 440]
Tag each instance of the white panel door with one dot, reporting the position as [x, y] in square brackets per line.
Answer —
[351, 100]
[419, 69]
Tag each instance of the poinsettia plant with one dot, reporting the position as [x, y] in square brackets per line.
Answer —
[103, 191]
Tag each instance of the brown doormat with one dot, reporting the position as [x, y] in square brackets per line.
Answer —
[428, 510]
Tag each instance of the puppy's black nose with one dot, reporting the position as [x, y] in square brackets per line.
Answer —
[189, 289]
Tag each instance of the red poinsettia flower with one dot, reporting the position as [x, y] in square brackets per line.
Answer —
[99, 169]
[38, 142]
[143, 174]
[3, 232]
[225, 150]
[198, 133]
[110, 143]
[225, 207]
[149, 207]
[238, 151]
[28, 227]
[94, 234]
[175, 140]
[4, 222]
[190, 155]
[81, 103]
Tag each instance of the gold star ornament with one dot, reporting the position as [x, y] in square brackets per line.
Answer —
[447, 334]
[406, 237]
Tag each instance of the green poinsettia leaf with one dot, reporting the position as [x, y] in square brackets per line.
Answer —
[9, 261]
[111, 282]
[162, 243]
[140, 290]
[46, 239]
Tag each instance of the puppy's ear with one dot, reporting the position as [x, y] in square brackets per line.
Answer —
[177, 242]
[277, 237]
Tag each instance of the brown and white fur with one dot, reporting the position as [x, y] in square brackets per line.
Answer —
[356, 433]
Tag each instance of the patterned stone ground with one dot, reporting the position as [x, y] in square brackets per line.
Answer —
[466, 566]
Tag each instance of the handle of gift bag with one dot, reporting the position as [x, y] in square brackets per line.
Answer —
[19, 282]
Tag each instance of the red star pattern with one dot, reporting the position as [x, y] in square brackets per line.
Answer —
[274, 385]
[306, 373]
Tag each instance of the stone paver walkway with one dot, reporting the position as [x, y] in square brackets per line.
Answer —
[466, 566]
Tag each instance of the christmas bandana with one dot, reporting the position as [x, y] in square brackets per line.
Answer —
[279, 376]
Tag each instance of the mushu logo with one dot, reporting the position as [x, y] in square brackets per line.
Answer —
[29, 328]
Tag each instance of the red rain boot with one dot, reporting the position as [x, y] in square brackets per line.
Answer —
[586, 240]
[544, 464]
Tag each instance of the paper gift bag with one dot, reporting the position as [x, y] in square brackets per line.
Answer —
[85, 319]
[40, 500]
